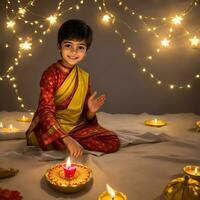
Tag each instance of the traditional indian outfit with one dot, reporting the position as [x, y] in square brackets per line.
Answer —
[62, 111]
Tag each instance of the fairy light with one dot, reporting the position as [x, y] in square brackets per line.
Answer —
[52, 19]
[165, 42]
[171, 86]
[195, 42]
[25, 45]
[177, 20]
[22, 11]
[108, 18]
[10, 24]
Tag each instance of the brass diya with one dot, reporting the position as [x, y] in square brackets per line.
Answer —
[155, 123]
[198, 123]
[55, 176]
[193, 171]
[182, 188]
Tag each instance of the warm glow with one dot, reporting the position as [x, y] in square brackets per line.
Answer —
[1, 124]
[10, 24]
[165, 42]
[68, 163]
[196, 170]
[195, 42]
[177, 20]
[11, 126]
[171, 86]
[25, 45]
[110, 191]
[156, 121]
[22, 11]
[108, 18]
[52, 19]
[23, 117]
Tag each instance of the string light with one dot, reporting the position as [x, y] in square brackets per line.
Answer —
[165, 42]
[52, 19]
[10, 24]
[108, 18]
[177, 20]
[25, 45]
[195, 42]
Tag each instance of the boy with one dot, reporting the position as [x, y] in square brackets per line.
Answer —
[66, 114]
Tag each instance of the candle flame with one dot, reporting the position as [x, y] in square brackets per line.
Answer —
[110, 191]
[68, 163]
[23, 117]
[11, 126]
[196, 170]
[155, 120]
[1, 125]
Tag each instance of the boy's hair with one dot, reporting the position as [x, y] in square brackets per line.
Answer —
[75, 29]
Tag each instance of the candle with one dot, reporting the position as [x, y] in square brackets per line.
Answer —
[155, 123]
[24, 119]
[9, 129]
[110, 194]
[193, 171]
[69, 169]
[1, 125]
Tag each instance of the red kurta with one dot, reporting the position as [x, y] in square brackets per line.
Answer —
[90, 135]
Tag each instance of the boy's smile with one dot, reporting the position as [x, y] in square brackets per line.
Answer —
[72, 52]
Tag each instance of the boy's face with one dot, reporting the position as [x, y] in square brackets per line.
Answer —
[72, 51]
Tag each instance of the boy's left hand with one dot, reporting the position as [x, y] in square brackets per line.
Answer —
[94, 104]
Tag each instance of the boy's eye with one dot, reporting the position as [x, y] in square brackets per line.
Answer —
[82, 47]
[68, 45]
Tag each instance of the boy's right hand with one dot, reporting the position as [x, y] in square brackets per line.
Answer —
[73, 146]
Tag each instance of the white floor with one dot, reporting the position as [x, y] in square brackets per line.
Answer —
[139, 171]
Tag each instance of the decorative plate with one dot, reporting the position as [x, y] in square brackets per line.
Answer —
[56, 177]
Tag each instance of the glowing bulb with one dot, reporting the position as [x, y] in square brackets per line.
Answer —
[22, 11]
[52, 19]
[108, 18]
[159, 82]
[144, 70]
[177, 20]
[171, 86]
[188, 86]
[10, 24]
[165, 42]
[197, 76]
[195, 42]
[25, 45]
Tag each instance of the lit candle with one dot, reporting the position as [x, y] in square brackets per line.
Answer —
[9, 129]
[193, 171]
[155, 122]
[24, 119]
[69, 169]
[110, 194]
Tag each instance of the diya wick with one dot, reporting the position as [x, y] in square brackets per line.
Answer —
[69, 169]
[110, 194]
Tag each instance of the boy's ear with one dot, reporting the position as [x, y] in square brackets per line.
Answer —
[59, 47]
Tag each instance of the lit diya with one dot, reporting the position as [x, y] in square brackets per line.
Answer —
[110, 194]
[155, 123]
[9, 129]
[68, 177]
[198, 125]
[193, 171]
[24, 119]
